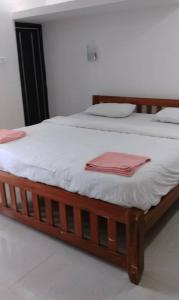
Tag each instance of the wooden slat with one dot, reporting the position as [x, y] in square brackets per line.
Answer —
[102, 252]
[13, 197]
[35, 204]
[139, 108]
[154, 109]
[94, 230]
[48, 207]
[159, 108]
[78, 222]
[135, 245]
[3, 195]
[24, 202]
[112, 235]
[92, 205]
[131, 218]
[63, 217]
[144, 109]
[149, 109]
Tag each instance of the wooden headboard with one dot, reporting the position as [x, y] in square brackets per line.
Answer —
[144, 105]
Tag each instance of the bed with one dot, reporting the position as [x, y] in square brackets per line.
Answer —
[112, 228]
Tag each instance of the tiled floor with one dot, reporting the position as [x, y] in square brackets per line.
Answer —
[34, 266]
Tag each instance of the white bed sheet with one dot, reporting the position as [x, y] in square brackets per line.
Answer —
[56, 151]
[138, 123]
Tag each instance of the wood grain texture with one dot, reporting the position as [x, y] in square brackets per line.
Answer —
[94, 230]
[112, 235]
[36, 206]
[135, 245]
[48, 207]
[155, 213]
[137, 223]
[13, 197]
[3, 195]
[116, 212]
[78, 222]
[138, 101]
[63, 217]
[24, 202]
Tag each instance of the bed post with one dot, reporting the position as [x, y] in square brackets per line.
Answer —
[96, 99]
[135, 245]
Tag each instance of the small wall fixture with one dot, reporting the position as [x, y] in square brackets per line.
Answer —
[2, 60]
[92, 54]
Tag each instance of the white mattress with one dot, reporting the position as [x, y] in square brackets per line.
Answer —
[56, 151]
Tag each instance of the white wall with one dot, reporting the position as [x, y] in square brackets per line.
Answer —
[138, 56]
[11, 111]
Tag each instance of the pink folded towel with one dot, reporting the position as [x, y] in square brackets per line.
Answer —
[117, 163]
[10, 135]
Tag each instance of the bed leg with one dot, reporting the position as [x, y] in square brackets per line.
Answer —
[135, 245]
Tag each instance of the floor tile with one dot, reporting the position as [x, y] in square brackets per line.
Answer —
[34, 266]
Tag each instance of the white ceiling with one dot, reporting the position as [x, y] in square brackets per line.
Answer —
[76, 8]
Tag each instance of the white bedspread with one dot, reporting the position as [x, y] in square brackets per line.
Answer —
[56, 151]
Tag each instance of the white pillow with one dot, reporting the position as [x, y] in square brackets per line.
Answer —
[112, 110]
[168, 115]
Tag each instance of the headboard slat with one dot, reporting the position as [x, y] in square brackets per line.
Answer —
[139, 108]
[147, 105]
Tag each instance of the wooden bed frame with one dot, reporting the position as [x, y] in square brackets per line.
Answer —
[135, 222]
